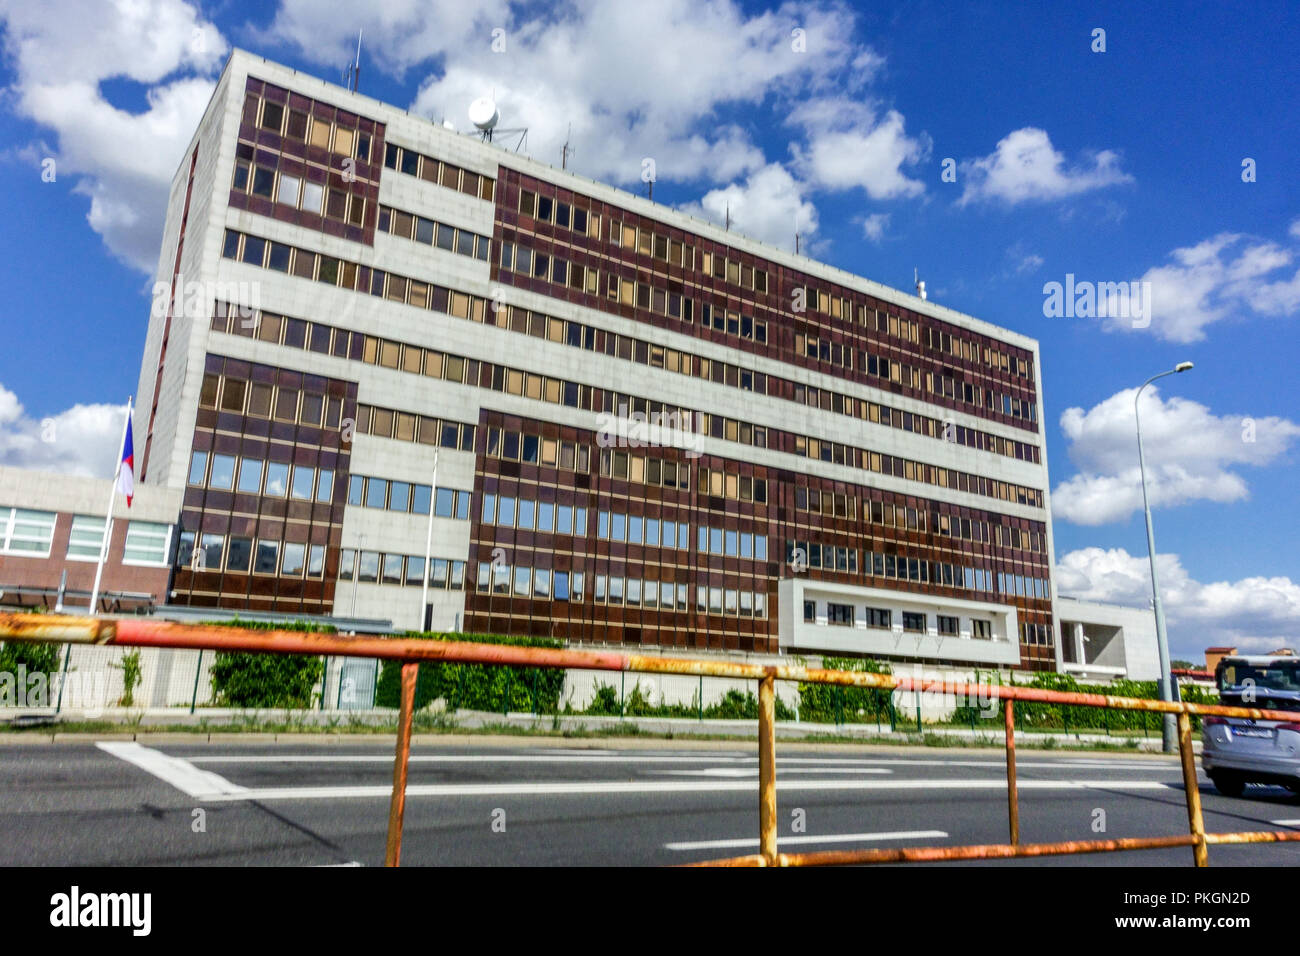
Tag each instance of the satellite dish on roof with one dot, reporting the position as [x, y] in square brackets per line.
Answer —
[483, 114]
[448, 124]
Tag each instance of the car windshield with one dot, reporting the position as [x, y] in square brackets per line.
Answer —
[1278, 683]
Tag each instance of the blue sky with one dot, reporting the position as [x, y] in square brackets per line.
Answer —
[1115, 166]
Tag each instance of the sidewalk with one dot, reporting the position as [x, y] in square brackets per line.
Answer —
[44, 725]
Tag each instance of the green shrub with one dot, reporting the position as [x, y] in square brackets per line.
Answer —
[44, 658]
[267, 680]
[828, 704]
[478, 686]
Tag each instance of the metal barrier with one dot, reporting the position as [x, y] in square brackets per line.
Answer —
[134, 632]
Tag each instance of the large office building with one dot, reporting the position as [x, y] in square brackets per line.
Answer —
[400, 372]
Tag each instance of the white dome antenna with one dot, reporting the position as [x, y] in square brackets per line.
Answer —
[484, 115]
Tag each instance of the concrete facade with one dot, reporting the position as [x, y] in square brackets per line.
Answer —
[830, 428]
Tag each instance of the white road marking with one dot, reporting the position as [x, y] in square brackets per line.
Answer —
[780, 771]
[208, 786]
[178, 772]
[800, 840]
[661, 786]
[615, 757]
[1285, 823]
[456, 758]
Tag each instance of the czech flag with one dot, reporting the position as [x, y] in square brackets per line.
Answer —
[126, 471]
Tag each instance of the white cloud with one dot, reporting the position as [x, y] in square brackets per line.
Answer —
[850, 146]
[1256, 614]
[1025, 166]
[63, 51]
[1029, 263]
[768, 206]
[82, 440]
[874, 226]
[1294, 230]
[1221, 277]
[1190, 455]
[626, 81]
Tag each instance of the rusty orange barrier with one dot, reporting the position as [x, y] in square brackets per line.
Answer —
[138, 632]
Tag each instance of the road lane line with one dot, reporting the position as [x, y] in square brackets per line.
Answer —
[780, 771]
[801, 840]
[661, 786]
[177, 772]
[454, 758]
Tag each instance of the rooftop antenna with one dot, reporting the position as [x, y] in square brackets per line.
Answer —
[728, 223]
[796, 243]
[352, 72]
[920, 283]
[484, 115]
[566, 151]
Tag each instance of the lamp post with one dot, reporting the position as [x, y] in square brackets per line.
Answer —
[1169, 735]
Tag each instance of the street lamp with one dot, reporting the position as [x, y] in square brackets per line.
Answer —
[1162, 639]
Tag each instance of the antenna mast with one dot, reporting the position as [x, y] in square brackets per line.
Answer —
[566, 150]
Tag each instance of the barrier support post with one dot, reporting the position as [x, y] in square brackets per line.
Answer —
[1013, 801]
[767, 768]
[1200, 853]
[397, 807]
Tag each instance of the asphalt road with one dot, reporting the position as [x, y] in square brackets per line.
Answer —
[309, 804]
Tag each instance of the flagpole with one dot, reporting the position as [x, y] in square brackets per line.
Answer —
[428, 544]
[112, 499]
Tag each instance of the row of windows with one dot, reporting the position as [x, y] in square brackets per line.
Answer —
[728, 601]
[26, 532]
[1036, 634]
[534, 449]
[814, 555]
[374, 567]
[549, 268]
[435, 171]
[947, 625]
[406, 497]
[682, 254]
[281, 403]
[549, 210]
[642, 295]
[635, 529]
[409, 426]
[731, 544]
[658, 472]
[529, 515]
[303, 127]
[908, 330]
[409, 226]
[941, 341]
[734, 430]
[892, 370]
[577, 335]
[722, 484]
[899, 373]
[297, 191]
[859, 458]
[146, 542]
[253, 476]
[218, 552]
[525, 582]
[913, 519]
[646, 241]
[914, 422]
[829, 503]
